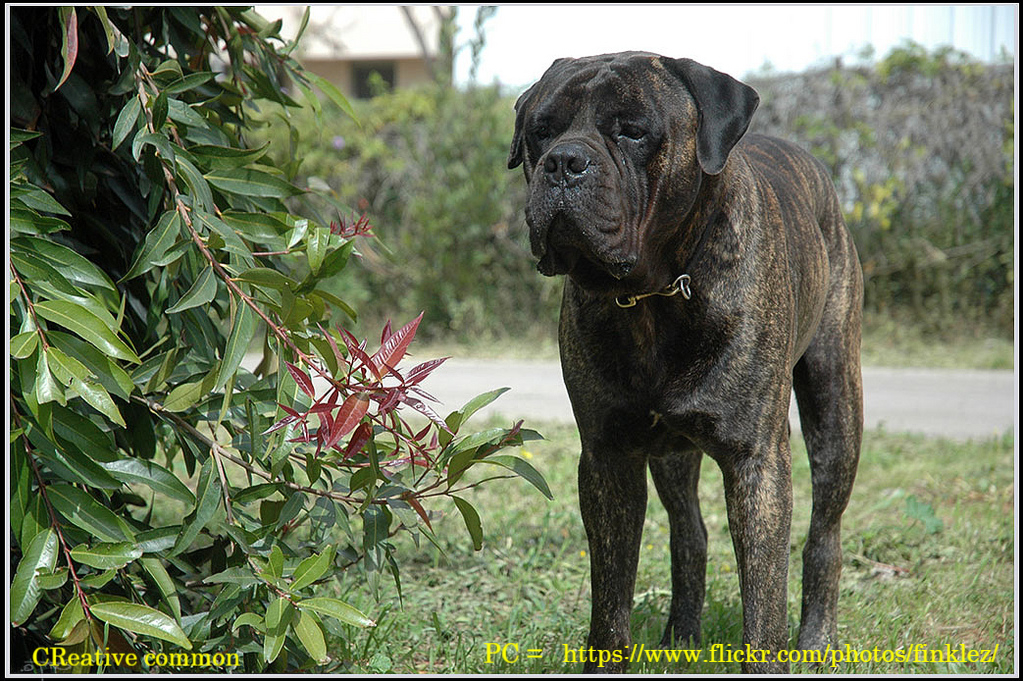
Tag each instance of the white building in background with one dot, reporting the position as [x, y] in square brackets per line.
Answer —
[345, 43]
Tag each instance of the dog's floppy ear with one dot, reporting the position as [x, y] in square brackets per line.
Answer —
[725, 108]
[515, 156]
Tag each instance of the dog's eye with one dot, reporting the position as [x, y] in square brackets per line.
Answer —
[541, 130]
[631, 131]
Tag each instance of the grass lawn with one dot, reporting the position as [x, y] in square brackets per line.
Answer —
[928, 562]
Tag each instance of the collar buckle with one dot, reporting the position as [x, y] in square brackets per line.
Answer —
[680, 285]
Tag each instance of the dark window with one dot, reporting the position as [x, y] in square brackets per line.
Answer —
[372, 78]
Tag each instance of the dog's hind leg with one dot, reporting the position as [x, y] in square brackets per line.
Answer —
[829, 393]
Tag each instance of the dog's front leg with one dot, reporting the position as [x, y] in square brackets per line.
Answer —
[758, 495]
[612, 498]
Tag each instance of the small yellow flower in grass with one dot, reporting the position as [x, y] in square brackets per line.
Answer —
[526, 454]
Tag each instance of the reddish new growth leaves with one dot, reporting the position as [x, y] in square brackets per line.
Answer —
[348, 229]
[361, 380]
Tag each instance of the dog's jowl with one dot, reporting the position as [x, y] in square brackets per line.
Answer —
[708, 273]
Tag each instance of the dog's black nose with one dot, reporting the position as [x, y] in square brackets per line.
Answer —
[566, 163]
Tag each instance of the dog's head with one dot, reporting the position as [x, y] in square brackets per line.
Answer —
[614, 149]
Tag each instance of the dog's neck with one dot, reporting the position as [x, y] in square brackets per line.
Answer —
[671, 271]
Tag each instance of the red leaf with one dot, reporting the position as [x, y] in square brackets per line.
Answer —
[292, 417]
[290, 411]
[348, 417]
[414, 503]
[421, 371]
[302, 378]
[286, 421]
[426, 411]
[356, 350]
[394, 348]
[69, 21]
[359, 440]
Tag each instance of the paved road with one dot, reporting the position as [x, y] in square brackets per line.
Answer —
[954, 404]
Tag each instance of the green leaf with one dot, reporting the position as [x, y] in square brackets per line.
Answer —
[258, 227]
[69, 263]
[87, 325]
[472, 521]
[232, 242]
[17, 136]
[21, 488]
[110, 375]
[98, 397]
[268, 277]
[155, 140]
[125, 123]
[249, 182]
[457, 418]
[278, 617]
[251, 619]
[42, 275]
[106, 556]
[70, 615]
[78, 432]
[275, 563]
[189, 82]
[311, 569]
[329, 89]
[376, 521]
[47, 389]
[316, 247]
[40, 556]
[339, 610]
[197, 183]
[24, 344]
[69, 462]
[169, 70]
[156, 244]
[310, 635]
[39, 200]
[227, 157]
[52, 580]
[160, 116]
[153, 475]
[183, 397]
[241, 576]
[158, 540]
[202, 291]
[164, 583]
[29, 222]
[523, 469]
[924, 512]
[65, 368]
[141, 619]
[242, 332]
[85, 512]
[208, 494]
[181, 112]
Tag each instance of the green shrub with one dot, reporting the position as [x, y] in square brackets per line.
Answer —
[926, 187]
[172, 505]
[429, 166]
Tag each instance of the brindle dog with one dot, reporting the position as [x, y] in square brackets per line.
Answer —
[709, 273]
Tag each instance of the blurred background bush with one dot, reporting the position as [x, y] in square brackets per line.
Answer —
[920, 146]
